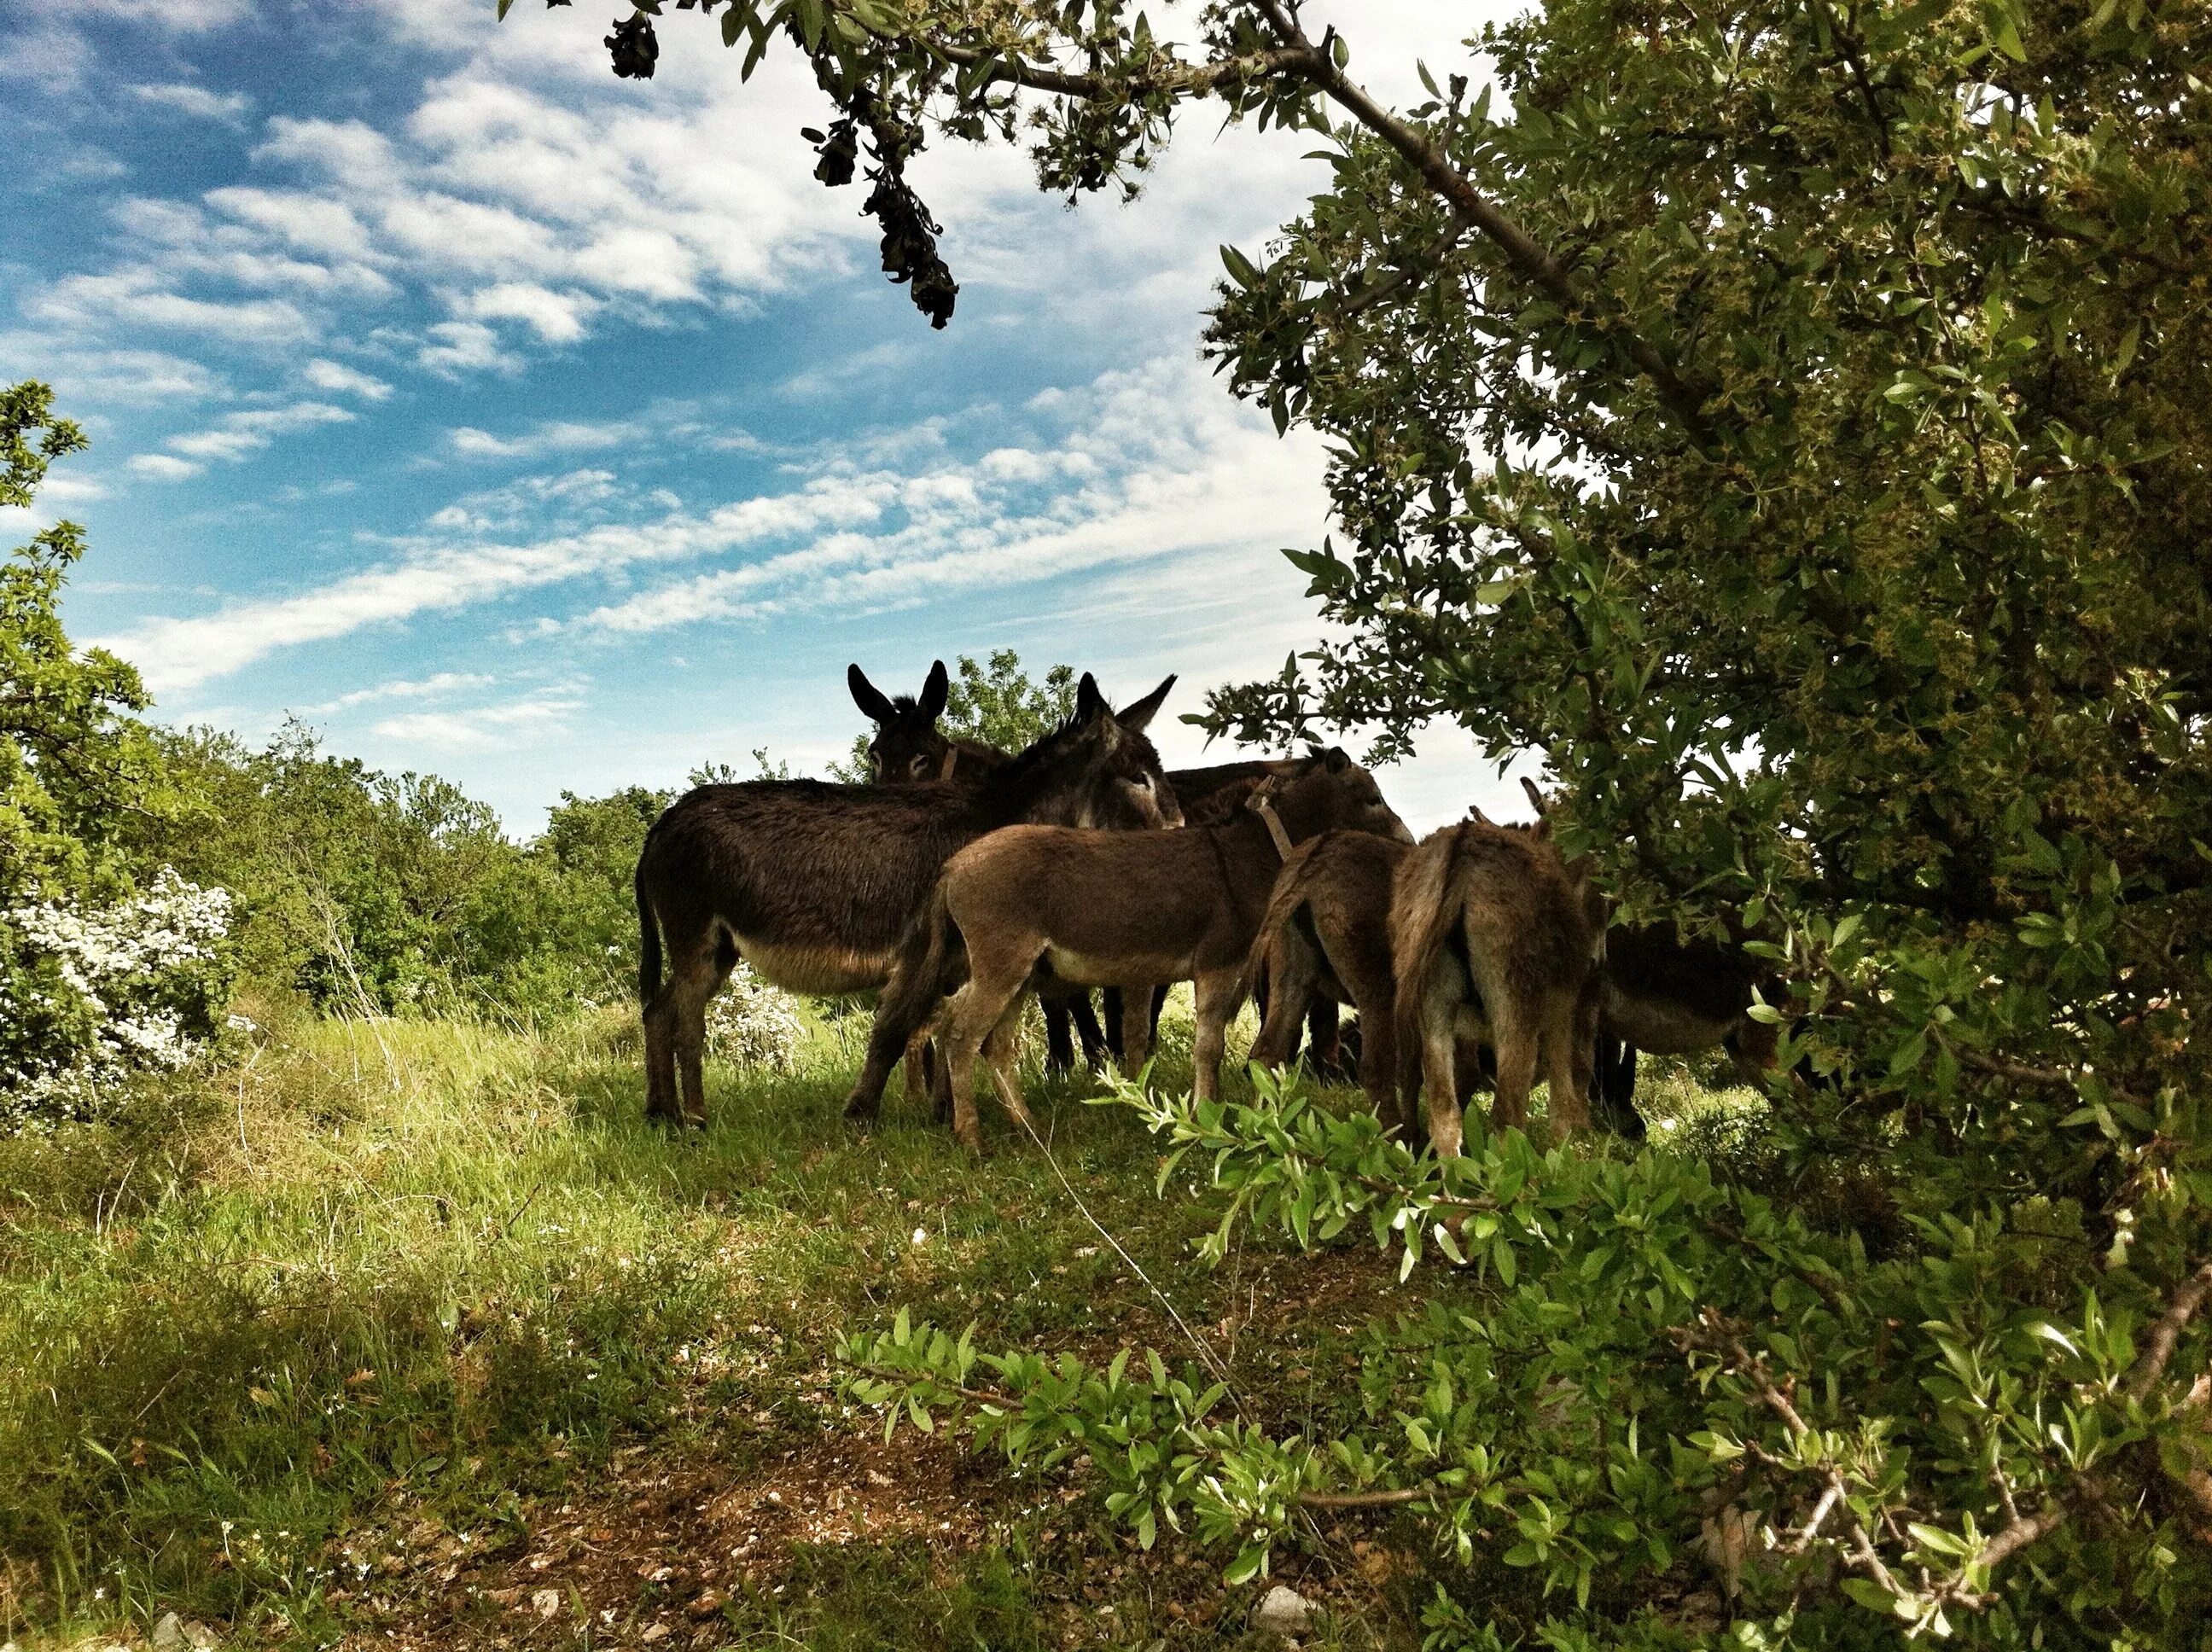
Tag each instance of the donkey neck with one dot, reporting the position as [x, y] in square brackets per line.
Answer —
[1244, 850]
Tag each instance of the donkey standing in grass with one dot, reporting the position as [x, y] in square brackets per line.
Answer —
[1670, 996]
[1121, 908]
[1327, 936]
[908, 748]
[1209, 796]
[1493, 935]
[813, 884]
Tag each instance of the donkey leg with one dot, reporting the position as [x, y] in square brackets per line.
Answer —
[1293, 970]
[1613, 1088]
[1087, 1030]
[993, 995]
[1136, 1030]
[1160, 1003]
[1378, 1064]
[1219, 995]
[1439, 1015]
[1566, 1069]
[1326, 1051]
[967, 1023]
[1109, 1016]
[1516, 1044]
[695, 983]
[660, 1056]
[914, 1066]
[1059, 1032]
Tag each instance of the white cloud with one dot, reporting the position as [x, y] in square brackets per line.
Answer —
[164, 467]
[429, 688]
[251, 429]
[553, 436]
[132, 298]
[533, 718]
[558, 317]
[465, 347]
[228, 107]
[84, 377]
[337, 377]
[1151, 464]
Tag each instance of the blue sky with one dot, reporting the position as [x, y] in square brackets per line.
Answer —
[552, 432]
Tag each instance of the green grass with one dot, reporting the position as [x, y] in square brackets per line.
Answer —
[351, 1338]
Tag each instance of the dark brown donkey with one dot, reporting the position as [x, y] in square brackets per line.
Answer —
[1494, 936]
[813, 884]
[1120, 908]
[908, 745]
[908, 748]
[1669, 996]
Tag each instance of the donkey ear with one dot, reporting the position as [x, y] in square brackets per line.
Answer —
[1475, 815]
[1336, 760]
[867, 696]
[1135, 715]
[1535, 798]
[934, 690]
[1089, 704]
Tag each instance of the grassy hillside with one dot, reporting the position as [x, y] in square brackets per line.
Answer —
[415, 1332]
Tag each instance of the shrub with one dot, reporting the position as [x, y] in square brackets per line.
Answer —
[92, 997]
[750, 1023]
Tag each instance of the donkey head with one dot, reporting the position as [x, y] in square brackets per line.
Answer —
[1329, 791]
[907, 745]
[1098, 768]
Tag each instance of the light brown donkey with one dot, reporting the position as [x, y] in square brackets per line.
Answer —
[1493, 935]
[1327, 931]
[1110, 909]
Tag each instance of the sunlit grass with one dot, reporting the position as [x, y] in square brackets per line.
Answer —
[374, 1276]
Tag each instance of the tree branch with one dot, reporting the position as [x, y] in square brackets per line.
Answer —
[1528, 259]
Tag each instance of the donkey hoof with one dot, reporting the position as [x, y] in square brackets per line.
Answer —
[860, 1114]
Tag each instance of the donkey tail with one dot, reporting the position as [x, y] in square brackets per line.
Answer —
[648, 939]
[1261, 963]
[1426, 898]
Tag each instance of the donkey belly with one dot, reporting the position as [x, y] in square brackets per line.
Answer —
[1135, 969]
[1662, 1028]
[821, 969]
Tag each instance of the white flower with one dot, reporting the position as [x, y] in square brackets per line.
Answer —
[753, 1024]
[138, 975]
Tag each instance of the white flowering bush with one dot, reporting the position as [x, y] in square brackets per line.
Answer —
[750, 1023]
[92, 997]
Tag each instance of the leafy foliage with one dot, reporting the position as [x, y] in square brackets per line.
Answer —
[96, 983]
[1579, 1394]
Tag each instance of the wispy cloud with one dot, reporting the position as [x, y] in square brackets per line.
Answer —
[229, 108]
[164, 467]
[428, 688]
[251, 429]
[1142, 469]
[551, 436]
[337, 377]
[532, 718]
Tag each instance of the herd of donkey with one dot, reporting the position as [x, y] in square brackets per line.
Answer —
[964, 878]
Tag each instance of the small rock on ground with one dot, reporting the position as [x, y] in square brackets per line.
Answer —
[1283, 1611]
